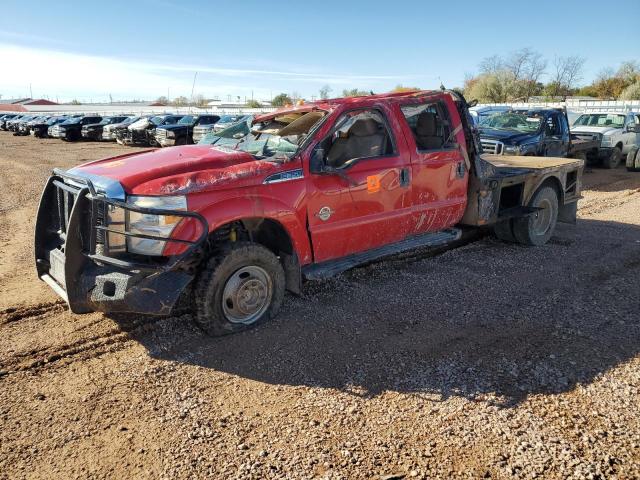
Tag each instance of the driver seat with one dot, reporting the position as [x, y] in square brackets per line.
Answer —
[427, 137]
[366, 138]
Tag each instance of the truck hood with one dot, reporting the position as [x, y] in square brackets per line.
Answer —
[180, 170]
[508, 137]
[601, 130]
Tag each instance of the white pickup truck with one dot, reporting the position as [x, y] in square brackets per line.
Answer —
[618, 131]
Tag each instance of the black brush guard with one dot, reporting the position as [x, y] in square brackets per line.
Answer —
[73, 256]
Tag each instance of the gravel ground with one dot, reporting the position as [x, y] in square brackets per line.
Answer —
[486, 361]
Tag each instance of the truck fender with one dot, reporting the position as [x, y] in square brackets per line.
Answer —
[237, 209]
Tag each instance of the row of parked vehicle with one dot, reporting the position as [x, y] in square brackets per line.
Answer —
[599, 137]
[143, 130]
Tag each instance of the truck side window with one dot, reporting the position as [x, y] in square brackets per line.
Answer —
[552, 126]
[359, 134]
[429, 124]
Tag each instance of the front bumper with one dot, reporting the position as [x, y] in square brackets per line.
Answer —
[73, 256]
[166, 142]
[91, 134]
[604, 152]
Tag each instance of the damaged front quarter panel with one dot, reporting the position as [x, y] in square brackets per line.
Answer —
[236, 176]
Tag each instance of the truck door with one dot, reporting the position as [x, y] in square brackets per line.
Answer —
[553, 138]
[366, 202]
[439, 175]
[629, 137]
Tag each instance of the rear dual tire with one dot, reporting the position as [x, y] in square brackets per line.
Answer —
[535, 229]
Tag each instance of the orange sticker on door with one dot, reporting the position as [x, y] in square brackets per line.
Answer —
[373, 183]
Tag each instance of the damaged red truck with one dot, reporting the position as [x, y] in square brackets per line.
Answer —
[312, 191]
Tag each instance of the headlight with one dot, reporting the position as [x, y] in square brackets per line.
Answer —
[170, 134]
[606, 140]
[510, 150]
[156, 225]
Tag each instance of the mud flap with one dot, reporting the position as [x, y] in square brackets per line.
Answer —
[567, 213]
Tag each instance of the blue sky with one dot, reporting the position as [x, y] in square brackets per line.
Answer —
[146, 48]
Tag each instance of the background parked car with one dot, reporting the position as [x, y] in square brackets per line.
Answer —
[481, 113]
[616, 131]
[109, 131]
[182, 132]
[71, 130]
[13, 124]
[200, 131]
[24, 128]
[143, 131]
[538, 132]
[5, 118]
[40, 128]
[93, 131]
[229, 137]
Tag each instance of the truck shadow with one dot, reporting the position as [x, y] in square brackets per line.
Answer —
[488, 321]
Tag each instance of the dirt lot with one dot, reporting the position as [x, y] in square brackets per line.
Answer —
[489, 360]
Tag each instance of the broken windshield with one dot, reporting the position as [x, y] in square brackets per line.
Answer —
[280, 138]
[518, 122]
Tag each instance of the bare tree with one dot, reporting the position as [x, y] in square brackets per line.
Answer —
[325, 91]
[568, 72]
[491, 64]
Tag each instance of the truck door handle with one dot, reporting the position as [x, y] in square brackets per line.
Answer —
[460, 170]
[405, 177]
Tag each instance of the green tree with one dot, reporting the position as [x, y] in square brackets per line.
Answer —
[180, 101]
[401, 88]
[489, 87]
[253, 104]
[354, 92]
[162, 100]
[632, 92]
[281, 100]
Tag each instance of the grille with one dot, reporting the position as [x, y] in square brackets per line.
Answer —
[199, 132]
[491, 146]
[66, 196]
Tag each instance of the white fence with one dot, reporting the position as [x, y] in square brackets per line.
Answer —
[577, 105]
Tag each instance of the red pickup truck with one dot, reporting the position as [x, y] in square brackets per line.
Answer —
[312, 191]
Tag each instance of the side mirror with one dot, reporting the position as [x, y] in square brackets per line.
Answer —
[634, 128]
[316, 163]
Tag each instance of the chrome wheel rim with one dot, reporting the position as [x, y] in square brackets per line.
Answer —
[247, 295]
[541, 221]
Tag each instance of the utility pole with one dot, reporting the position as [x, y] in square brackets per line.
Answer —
[30, 92]
[193, 86]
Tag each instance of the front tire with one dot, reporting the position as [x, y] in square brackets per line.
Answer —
[633, 159]
[240, 288]
[614, 159]
[537, 229]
